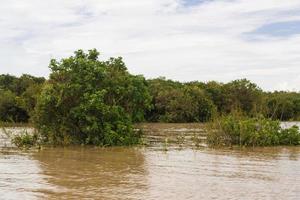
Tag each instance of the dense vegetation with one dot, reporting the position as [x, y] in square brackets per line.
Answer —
[88, 101]
[244, 131]
[178, 102]
[18, 97]
[198, 102]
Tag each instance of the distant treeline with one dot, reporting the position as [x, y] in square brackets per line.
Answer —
[171, 101]
[198, 101]
[18, 96]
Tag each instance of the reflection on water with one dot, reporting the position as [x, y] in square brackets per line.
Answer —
[92, 172]
[151, 172]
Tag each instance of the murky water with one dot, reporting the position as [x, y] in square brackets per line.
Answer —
[181, 168]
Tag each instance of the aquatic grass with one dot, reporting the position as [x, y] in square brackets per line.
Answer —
[244, 131]
[26, 140]
[23, 139]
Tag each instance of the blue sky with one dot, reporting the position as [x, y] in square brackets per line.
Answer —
[194, 2]
[279, 29]
[181, 39]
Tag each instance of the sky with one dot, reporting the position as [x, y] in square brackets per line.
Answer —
[184, 40]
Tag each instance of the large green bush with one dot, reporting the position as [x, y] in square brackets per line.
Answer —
[245, 131]
[88, 101]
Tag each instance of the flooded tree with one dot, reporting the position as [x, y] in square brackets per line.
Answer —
[88, 101]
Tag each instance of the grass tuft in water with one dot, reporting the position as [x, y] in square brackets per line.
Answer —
[26, 140]
[244, 131]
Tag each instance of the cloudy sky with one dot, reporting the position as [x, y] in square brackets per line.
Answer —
[179, 39]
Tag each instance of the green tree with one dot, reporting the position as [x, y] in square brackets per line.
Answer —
[282, 105]
[216, 92]
[88, 101]
[177, 102]
[8, 82]
[10, 111]
[242, 95]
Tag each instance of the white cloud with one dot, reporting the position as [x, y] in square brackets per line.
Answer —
[156, 37]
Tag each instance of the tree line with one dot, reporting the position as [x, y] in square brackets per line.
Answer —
[168, 100]
[85, 96]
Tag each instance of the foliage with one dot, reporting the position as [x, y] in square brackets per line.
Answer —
[242, 95]
[172, 101]
[199, 102]
[10, 111]
[19, 85]
[177, 102]
[217, 94]
[245, 131]
[25, 140]
[282, 105]
[18, 97]
[87, 101]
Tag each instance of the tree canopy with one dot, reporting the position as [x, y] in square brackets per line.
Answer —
[18, 97]
[88, 101]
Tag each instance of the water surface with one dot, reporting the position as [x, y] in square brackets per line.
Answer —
[181, 168]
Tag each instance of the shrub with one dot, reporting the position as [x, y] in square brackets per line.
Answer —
[243, 131]
[87, 101]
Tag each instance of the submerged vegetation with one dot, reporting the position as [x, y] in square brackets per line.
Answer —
[244, 131]
[89, 101]
[25, 140]
[21, 138]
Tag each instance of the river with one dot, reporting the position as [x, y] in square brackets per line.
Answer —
[175, 164]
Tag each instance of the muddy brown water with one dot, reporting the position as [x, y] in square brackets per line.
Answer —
[176, 164]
